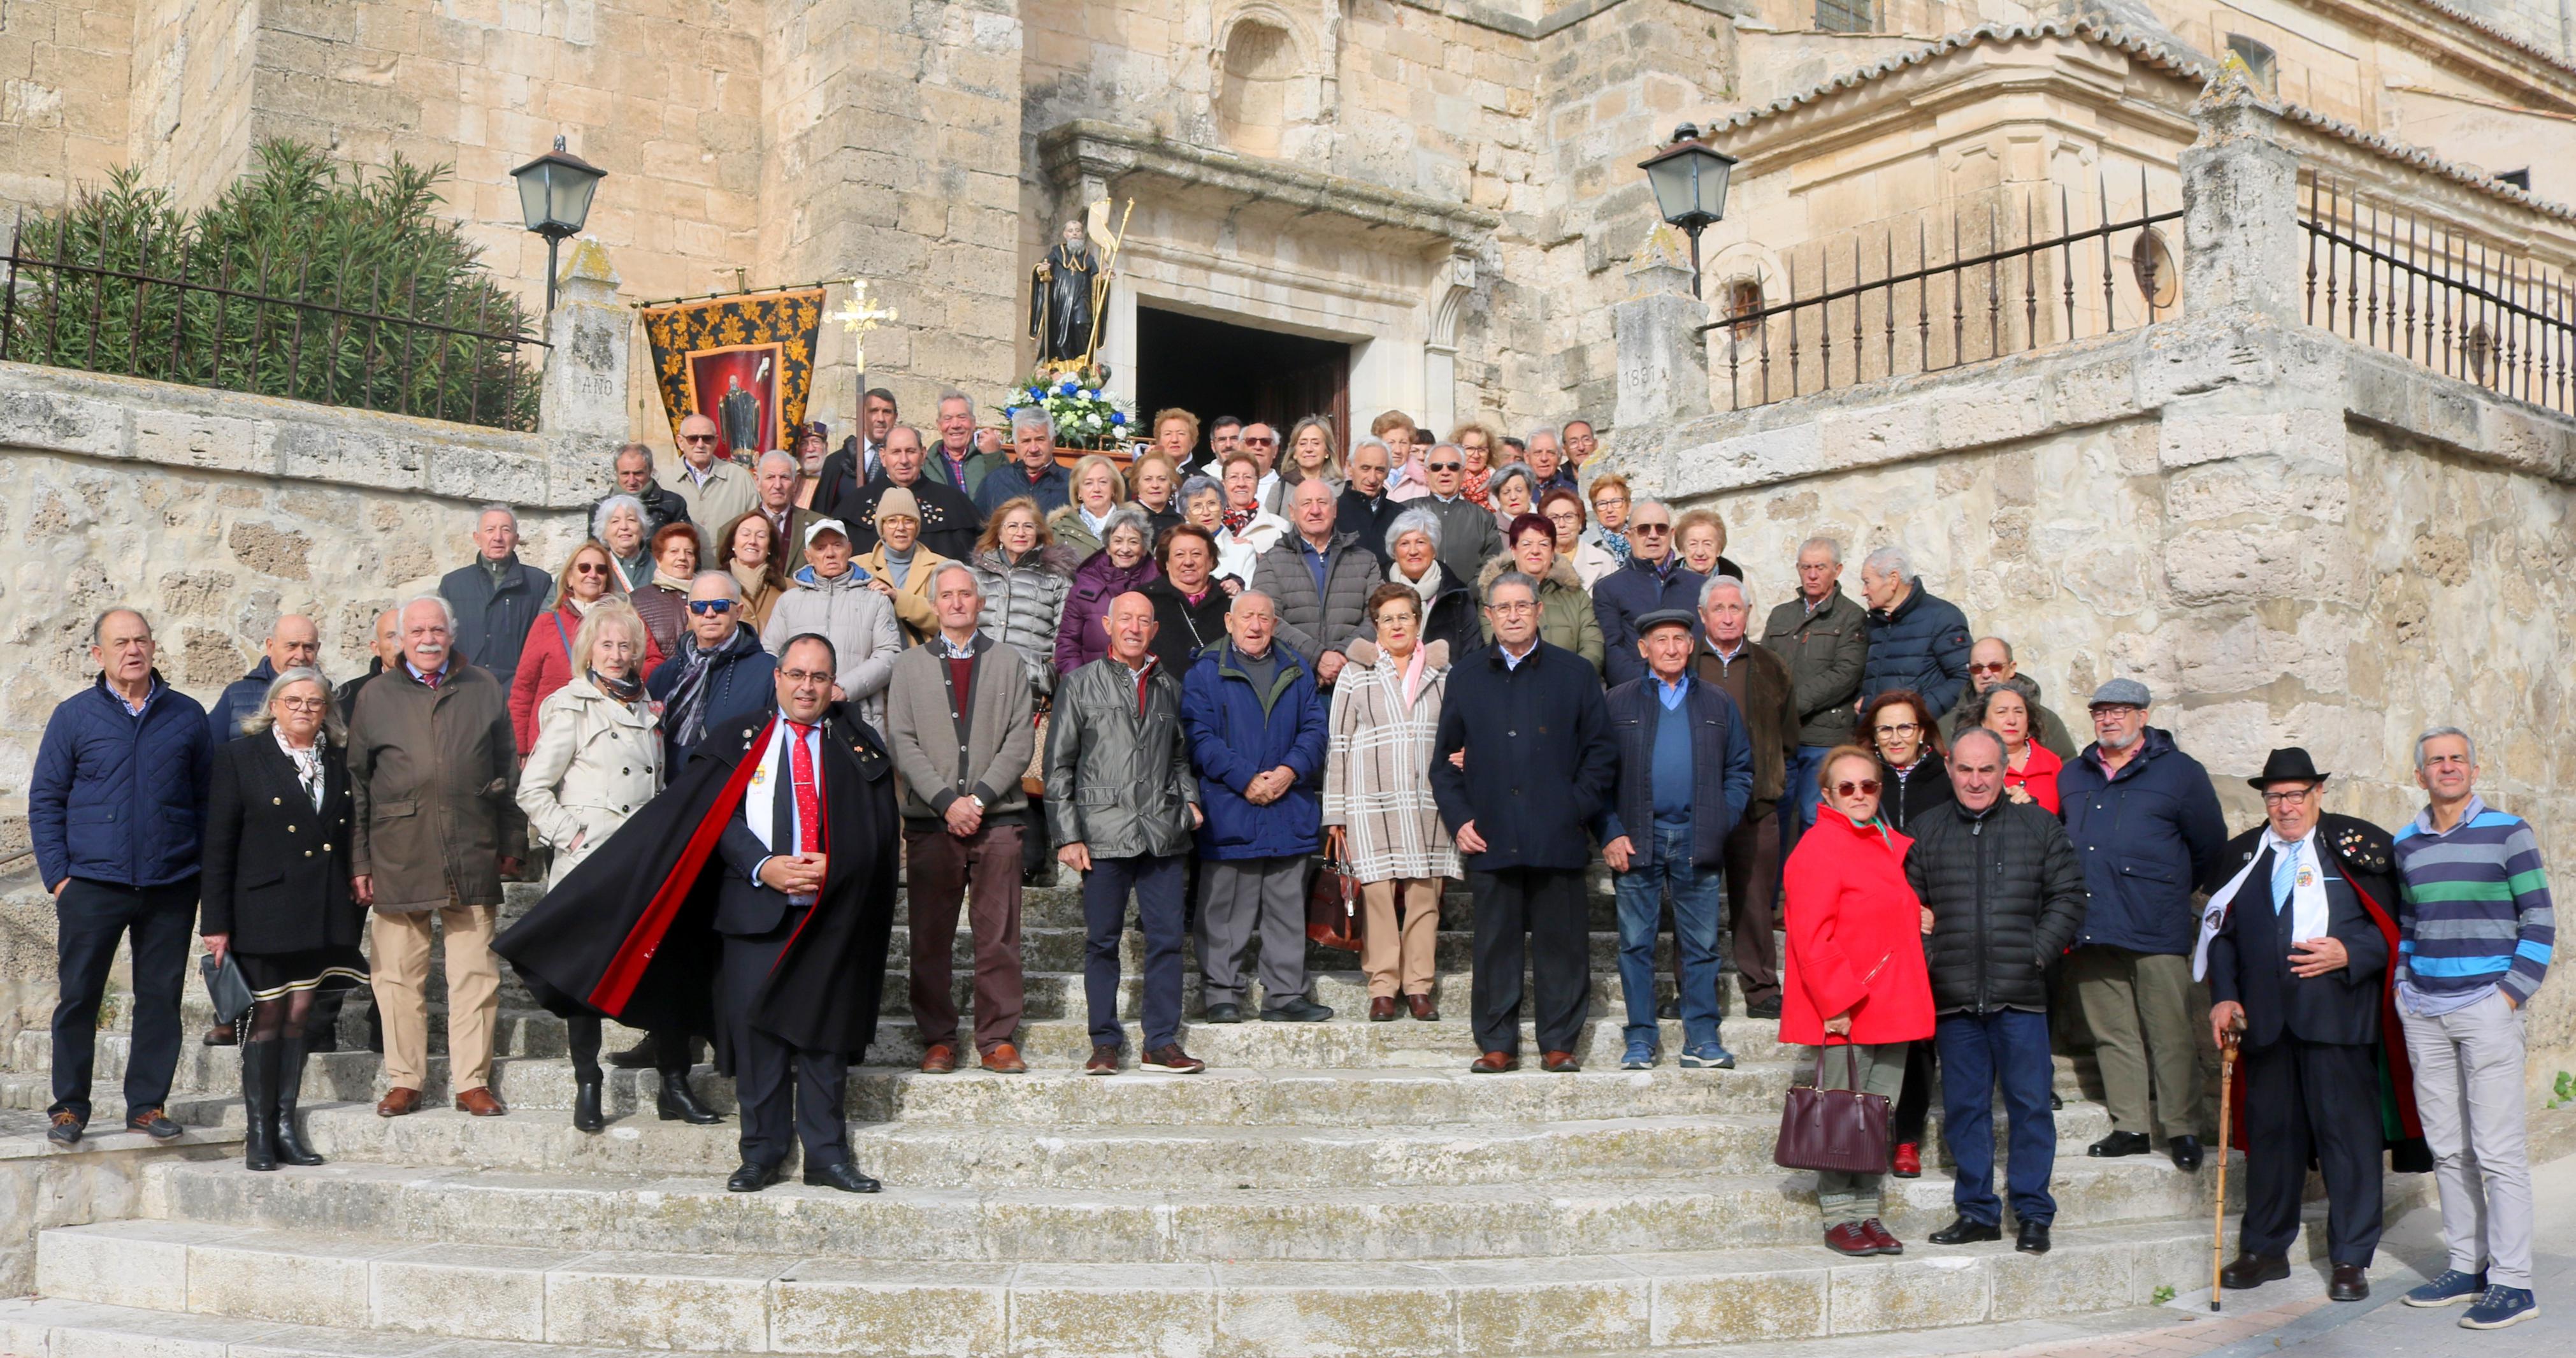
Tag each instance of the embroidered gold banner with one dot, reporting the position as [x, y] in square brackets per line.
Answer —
[745, 361]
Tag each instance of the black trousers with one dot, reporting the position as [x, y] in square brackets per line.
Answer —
[2304, 1100]
[1914, 1101]
[784, 1091]
[91, 917]
[1547, 905]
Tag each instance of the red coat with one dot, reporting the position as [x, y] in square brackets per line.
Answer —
[1855, 937]
[2039, 776]
[545, 664]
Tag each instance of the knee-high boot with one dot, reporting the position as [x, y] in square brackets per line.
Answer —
[259, 1101]
[287, 1059]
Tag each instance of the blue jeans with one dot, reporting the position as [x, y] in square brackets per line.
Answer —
[1157, 884]
[1803, 788]
[1695, 920]
[2008, 1048]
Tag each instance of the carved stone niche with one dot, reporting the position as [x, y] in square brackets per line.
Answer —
[1270, 80]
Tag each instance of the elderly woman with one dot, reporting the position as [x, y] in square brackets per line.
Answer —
[1096, 490]
[618, 523]
[752, 557]
[1476, 449]
[1449, 610]
[2030, 768]
[900, 567]
[1565, 614]
[598, 757]
[274, 894]
[1312, 451]
[1124, 564]
[1514, 491]
[1564, 508]
[1246, 531]
[1025, 574]
[1203, 506]
[1854, 979]
[1700, 536]
[546, 657]
[663, 602]
[1915, 780]
[1379, 816]
[1609, 530]
[1154, 485]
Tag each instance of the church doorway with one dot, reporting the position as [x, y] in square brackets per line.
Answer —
[1213, 368]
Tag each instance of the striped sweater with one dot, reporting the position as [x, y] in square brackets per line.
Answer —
[2474, 908]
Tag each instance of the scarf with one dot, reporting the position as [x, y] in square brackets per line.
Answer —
[686, 711]
[1236, 520]
[308, 763]
[1617, 545]
[1471, 486]
[1413, 668]
[625, 690]
[2309, 912]
[673, 583]
[1426, 589]
[1099, 526]
[749, 578]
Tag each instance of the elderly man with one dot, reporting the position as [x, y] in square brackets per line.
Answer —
[1548, 468]
[945, 520]
[774, 479]
[958, 722]
[1365, 508]
[293, 642]
[116, 810]
[387, 650]
[719, 673]
[1256, 731]
[1033, 473]
[1653, 581]
[633, 468]
[1468, 536]
[1685, 779]
[714, 489]
[1916, 640]
[1319, 580]
[498, 598]
[1990, 662]
[1579, 442]
[2475, 927]
[1262, 441]
[2146, 825]
[854, 463]
[1764, 692]
[1121, 804]
[2297, 947]
[1824, 635]
[432, 771]
[956, 462]
[1538, 768]
[2006, 895]
[832, 600]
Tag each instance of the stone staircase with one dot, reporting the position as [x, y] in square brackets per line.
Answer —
[1323, 1189]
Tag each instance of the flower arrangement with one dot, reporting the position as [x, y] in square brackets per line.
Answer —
[1086, 413]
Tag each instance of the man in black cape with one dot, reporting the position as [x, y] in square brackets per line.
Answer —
[690, 900]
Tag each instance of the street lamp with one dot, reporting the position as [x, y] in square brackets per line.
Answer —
[1689, 179]
[554, 198]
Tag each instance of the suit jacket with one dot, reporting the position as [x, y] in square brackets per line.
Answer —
[276, 869]
[2249, 960]
[748, 908]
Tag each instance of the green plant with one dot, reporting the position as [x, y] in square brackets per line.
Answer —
[298, 280]
[2563, 1092]
[2163, 1294]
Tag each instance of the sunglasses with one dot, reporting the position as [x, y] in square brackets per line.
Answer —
[1263, 443]
[703, 607]
[589, 568]
[1448, 466]
[697, 438]
[1650, 528]
[1866, 787]
[1996, 668]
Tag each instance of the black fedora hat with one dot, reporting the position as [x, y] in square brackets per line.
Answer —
[2287, 766]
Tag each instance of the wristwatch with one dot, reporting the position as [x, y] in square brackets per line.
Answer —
[978, 801]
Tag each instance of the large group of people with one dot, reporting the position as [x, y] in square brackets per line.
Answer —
[1198, 678]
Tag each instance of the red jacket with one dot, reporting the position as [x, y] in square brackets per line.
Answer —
[545, 664]
[2039, 776]
[1855, 937]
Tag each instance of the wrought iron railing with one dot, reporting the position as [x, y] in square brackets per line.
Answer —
[178, 311]
[2432, 293]
[1989, 295]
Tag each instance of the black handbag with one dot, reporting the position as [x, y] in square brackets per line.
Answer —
[225, 987]
[1839, 1129]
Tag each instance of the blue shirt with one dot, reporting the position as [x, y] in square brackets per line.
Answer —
[1672, 766]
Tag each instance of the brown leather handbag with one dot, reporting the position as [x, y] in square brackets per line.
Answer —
[1840, 1129]
[1333, 915]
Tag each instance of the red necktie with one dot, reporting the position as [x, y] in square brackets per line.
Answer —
[432, 678]
[809, 806]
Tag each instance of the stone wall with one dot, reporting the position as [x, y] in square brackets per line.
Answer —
[65, 69]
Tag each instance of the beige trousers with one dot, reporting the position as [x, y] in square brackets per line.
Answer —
[400, 968]
[1400, 961]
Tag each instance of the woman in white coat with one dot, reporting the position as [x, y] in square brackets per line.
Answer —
[597, 760]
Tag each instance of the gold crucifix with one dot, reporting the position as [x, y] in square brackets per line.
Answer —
[858, 318]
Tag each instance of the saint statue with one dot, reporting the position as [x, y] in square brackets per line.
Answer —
[739, 414]
[1062, 316]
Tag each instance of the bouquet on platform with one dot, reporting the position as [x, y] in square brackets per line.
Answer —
[1086, 413]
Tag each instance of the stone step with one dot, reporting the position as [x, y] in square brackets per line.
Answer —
[694, 1213]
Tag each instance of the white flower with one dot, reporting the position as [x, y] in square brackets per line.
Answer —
[1082, 395]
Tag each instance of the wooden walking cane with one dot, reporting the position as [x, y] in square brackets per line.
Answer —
[2226, 1136]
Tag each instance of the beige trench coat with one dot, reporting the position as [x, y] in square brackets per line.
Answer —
[597, 760]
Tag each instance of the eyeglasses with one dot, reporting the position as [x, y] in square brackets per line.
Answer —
[1996, 667]
[806, 676]
[1513, 610]
[2114, 712]
[704, 607]
[1653, 528]
[304, 704]
[1898, 729]
[1611, 502]
[1866, 787]
[2294, 795]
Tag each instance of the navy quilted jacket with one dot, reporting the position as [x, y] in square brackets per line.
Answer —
[1922, 645]
[119, 797]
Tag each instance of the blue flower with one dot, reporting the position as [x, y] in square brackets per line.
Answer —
[1118, 417]
[1068, 388]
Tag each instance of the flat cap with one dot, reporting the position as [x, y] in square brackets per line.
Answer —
[2121, 693]
[1661, 617]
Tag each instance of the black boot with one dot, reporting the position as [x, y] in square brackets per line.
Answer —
[676, 1103]
[287, 1058]
[586, 1116]
[259, 1101]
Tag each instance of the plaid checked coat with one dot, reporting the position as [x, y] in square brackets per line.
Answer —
[1377, 769]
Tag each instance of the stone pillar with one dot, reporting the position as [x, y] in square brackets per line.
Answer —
[1663, 357]
[2240, 203]
[582, 409]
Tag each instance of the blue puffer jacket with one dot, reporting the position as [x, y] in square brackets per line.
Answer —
[1237, 734]
[121, 798]
[2145, 838]
[1921, 645]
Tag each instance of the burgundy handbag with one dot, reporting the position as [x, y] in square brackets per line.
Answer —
[1841, 1129]
[1333, 907]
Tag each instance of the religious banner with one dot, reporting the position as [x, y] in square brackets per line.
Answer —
[745, 361]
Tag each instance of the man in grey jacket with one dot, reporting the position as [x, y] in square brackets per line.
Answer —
[1123, 805]
[1320, 581]
[958, 725]
[1824, 635]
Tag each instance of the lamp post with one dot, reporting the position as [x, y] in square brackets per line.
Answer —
[554, 199]
[1689, 179]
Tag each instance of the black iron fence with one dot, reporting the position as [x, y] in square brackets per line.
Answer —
[2432, 293]
[1977, 284]
[177, 309]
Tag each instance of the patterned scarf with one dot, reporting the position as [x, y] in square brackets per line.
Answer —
[1236, 520]
[1472, 486]
[623, 690]
[686, 711]
[308, 763]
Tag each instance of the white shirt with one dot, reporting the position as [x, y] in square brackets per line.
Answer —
[760, 803]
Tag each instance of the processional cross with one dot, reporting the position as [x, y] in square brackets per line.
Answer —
[857, 318]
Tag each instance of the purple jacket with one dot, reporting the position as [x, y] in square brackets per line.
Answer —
[1079, 636]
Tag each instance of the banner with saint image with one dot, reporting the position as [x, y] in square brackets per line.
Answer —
[745, 361]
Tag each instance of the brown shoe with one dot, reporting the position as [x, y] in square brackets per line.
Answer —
[480, 1103]
[1494, 1063]
[1104, 1060]
[939, 1060]
[1423, 1008]
[398, 1101]
[1171, 1060]
[1382, 1009]
[1004, 1059]
[1560, 1063]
